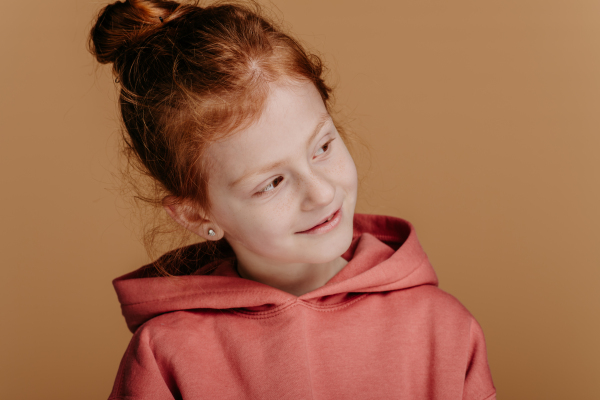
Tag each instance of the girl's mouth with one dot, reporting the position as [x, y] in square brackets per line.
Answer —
[331, 222]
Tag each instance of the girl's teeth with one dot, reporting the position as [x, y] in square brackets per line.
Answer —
[329, 219]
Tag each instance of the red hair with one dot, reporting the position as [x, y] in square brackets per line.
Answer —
[192, 75]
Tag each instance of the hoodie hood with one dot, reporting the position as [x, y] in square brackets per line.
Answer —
[385, 255]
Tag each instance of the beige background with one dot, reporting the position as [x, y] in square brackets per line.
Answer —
[483, 122]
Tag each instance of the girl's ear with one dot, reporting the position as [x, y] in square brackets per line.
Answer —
[186, 214]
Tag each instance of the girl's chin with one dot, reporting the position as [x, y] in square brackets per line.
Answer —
[326, 250]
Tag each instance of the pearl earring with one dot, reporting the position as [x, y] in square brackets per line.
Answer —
[211, 232]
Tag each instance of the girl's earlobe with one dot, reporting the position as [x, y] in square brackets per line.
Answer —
[211, 234]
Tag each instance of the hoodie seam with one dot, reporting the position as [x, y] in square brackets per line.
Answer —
[264, 314]
[192, 295]
[334, 307]
[274, 313]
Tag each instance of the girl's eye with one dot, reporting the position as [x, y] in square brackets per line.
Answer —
[271, 185]
[323, 148]
[278, 180]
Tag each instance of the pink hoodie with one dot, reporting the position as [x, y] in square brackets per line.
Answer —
[379, 329]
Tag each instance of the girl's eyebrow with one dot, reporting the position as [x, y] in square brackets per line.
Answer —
[323, 118]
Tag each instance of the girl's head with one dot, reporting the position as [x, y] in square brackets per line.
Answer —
[231, 117]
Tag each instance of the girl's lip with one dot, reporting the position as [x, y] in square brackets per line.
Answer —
[325, 227]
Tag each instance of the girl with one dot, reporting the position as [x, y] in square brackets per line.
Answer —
[291, 295]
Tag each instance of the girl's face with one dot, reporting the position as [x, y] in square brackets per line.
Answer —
[283, 175]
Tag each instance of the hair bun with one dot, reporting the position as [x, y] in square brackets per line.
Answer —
[122, 24]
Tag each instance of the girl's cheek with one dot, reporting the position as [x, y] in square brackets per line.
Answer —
[345, 169]
[283, 201]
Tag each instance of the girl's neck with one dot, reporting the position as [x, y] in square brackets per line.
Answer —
[296, 279]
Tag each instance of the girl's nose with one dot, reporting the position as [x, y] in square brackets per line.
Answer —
[317, 190]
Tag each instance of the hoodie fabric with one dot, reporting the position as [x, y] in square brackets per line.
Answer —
[379, 329]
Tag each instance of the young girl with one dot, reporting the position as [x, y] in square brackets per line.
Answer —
[291, 295]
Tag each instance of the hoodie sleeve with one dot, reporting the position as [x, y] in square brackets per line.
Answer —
[478, 378]
[139, 376]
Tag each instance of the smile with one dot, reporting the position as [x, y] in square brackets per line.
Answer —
[327, 225]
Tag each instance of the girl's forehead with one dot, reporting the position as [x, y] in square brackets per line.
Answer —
[290, 118]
